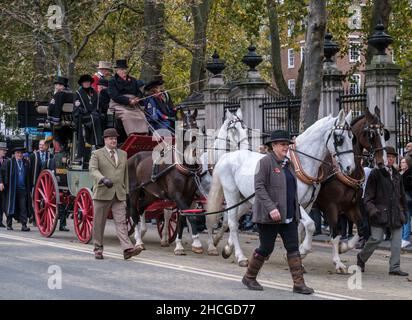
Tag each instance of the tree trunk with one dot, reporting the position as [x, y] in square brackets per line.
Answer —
[299, 81]
[200, 13]
[154, 14]
[275, 48]
[312, 78]
[381, 11]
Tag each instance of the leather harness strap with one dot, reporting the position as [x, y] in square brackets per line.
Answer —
[348, 180]
[300, 173]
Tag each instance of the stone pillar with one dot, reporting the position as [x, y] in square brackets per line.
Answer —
[332, 80]
[252, 92]
[382, 82]
[331, 87]
[215, 95]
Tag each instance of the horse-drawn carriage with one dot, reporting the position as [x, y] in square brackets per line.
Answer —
[68, 190]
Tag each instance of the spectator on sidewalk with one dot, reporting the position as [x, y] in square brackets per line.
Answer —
[407, 185]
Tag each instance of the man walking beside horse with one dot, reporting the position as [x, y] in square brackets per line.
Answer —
[108, 167]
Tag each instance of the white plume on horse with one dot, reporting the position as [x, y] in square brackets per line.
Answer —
[233, 178]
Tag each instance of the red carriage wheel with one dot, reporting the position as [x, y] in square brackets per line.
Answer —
[83, 215]
[46, 201]
[172, 229]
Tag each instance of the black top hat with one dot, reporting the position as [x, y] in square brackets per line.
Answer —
[111, 132]
[153, 84]
[391, 150]
[103, 82]
[3, 146]
[279, 135]
[85, 78]
[62, 80]
[121, 64]
[21, 149]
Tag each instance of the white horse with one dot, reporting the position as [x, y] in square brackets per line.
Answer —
[233, 135]
[233, 178]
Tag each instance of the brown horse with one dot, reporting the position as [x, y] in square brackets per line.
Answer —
[341, 195]
[175, 182]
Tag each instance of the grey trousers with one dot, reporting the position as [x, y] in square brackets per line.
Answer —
[376, 238]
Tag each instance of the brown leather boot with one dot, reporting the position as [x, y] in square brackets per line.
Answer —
[255, 264]
[296, 270]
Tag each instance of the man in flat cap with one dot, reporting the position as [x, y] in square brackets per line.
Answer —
[385, 202]
[126, 100]
[15, 181]
[109, 170]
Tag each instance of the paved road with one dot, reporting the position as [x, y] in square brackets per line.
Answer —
[25, 259]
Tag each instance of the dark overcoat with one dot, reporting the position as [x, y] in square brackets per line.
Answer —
[119, 87]
[8, 177]
[385, 199]
[36, 165]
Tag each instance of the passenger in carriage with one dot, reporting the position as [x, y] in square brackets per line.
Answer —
[126, 100]
[104, 71]
[87, 118]
[162, 114]
[61, 96]
[103, 101]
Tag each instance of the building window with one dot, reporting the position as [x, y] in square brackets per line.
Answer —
[355, 84]
[292, 86]
[354, 52]
[302, 53]
[291, 58]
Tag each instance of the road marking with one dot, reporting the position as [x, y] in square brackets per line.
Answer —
[204, 272]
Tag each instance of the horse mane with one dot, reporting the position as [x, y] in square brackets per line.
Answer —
[357, 119]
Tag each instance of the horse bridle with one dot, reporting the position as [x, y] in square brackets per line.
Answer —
[231, 126]
[338, 139]
[371, 130]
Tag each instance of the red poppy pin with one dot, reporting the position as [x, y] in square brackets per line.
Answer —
[277, 170]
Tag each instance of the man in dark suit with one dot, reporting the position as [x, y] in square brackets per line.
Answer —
[40, 160]
[15, 180]
[3, 152]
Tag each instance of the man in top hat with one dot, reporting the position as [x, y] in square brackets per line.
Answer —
[40, 160]
[126, 100]
[104, 71]
[159, 106]
[109, 170]
[385, 202]
[61, 96]
[3, 159]
[15, 181]
[103, 101]
[87, 118]
[276, 211]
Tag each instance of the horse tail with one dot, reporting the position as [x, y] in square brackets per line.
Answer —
[214, 199]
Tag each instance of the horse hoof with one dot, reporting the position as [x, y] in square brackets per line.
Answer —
[141, 246]
[341, 271]
[180, 253]
[225, 255]
[197, 250]
[164, 244]
[213, 252]
[243, 263]
[303, 269]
